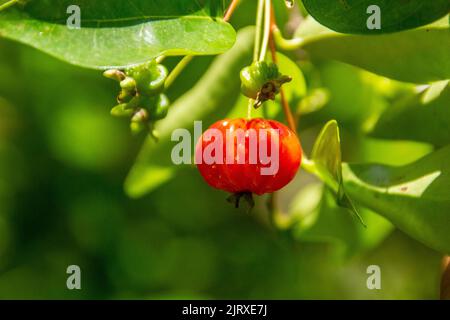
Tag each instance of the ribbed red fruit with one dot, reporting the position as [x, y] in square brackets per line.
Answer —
[283, 155]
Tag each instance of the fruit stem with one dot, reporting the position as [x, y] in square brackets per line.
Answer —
[249, 108]
[284, 103]
[233, 5]
[260, 47]
[307, 164]
[286, 44]
[259, 20]
[266, 35]
[8, 4]
[177, 70]
[160, 59]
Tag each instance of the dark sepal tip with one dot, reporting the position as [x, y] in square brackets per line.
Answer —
[235, 199]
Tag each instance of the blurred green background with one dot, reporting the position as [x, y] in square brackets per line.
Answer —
[63, 160]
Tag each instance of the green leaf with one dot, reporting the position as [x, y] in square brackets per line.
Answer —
[414, 197]
[117, 34]
[326, 153]
[389, 55]
[350, 16]
[421, 117]
[315, 100]
[213, 95]
[326, 157]
[354, 103]
[320, 219]
[296, 89]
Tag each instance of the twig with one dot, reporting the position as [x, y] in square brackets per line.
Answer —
[8, 4]
[284, 103]
[286, 44]
[266, 35]
[177, 70]
[250, 104]
[160, 59]
[230, 10]
[259, 21]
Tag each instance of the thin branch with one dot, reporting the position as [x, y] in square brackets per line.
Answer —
[284, 103]
[160, 59]
[8, 4]
[259, 21]
[230, 10]
[250, 104]
[177, 70]
[273, 203]
[286, 44]
[266, 35]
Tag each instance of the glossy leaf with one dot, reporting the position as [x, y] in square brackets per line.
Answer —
[119, 33]
[314, 101]
[350, 16]
[418, 56]
[414, 197]
[215, 92]
[353, 103]
[323, 221]
[296, 89]
[422, 117]
[326, 153]
[326, 157]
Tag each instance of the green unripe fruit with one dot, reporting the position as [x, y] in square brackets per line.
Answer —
[161, 107]
[134, 102]
[141, 95]
[124, 96]
[141, 115]
[139, 121]
[121, 110]
[137, 127]
[114, 74]
[128, 84]
[149, 77]
[255, 76]
[141, 73]
[262, 81]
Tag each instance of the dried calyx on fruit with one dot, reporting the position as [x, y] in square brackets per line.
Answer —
[141, 97]
[261, 81]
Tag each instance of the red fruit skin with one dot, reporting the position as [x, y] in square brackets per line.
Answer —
[237, 178]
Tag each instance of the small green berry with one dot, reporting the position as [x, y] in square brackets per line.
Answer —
[128, 84]
[161, 108]
[141, 115]
[261, 81]
[114, 74]
[121, 111]
[137, 127]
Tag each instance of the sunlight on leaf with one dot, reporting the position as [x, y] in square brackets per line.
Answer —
[118, 34]
[414, 197]
[326, 156]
